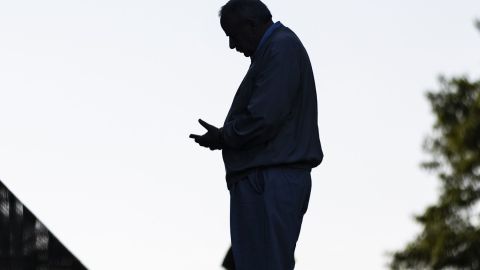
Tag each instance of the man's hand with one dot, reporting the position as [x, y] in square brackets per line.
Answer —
[212, 139]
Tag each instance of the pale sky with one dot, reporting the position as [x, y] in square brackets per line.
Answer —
[97, 99]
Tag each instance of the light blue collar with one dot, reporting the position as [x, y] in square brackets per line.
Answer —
[267, 34]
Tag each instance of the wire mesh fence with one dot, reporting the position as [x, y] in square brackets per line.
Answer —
[25, 243]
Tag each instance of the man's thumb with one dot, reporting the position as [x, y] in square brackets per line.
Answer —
[204, 124]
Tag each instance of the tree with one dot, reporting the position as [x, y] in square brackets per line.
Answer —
[450, 236]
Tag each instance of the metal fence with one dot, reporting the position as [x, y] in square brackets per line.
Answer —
[25, 243]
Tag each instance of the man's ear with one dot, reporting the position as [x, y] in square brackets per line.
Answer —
[252, 24]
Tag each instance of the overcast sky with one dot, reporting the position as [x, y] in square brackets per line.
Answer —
[97, 99]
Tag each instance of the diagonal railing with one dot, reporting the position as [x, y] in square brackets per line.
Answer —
[25, 243]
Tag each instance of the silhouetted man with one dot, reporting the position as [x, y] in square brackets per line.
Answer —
[269, 139]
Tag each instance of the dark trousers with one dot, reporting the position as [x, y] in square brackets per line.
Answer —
[266, 213]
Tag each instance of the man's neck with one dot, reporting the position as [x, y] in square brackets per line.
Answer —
[264, 29]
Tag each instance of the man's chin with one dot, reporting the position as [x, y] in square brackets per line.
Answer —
[246, 54]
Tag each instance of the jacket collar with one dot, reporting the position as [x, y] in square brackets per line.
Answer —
[266, 37]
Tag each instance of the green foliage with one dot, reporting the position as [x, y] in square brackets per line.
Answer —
[450, 237]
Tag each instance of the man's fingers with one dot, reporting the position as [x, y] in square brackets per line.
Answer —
[201, 141]
[194, 136]
[197, 138]
[205, 124]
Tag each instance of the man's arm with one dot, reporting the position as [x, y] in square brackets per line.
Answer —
[273, 93]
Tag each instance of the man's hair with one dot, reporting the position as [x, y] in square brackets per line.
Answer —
[244, 9]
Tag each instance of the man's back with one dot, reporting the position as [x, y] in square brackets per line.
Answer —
[273, 117]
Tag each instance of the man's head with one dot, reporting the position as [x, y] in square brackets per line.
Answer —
[245, 22]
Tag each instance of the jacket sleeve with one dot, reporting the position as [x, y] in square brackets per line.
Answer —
[274, 89]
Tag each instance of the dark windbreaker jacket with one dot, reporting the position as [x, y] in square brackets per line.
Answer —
[273, 117]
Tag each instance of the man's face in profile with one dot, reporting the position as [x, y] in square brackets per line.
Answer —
[240, 34]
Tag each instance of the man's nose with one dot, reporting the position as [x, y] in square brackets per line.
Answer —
[231, 44]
